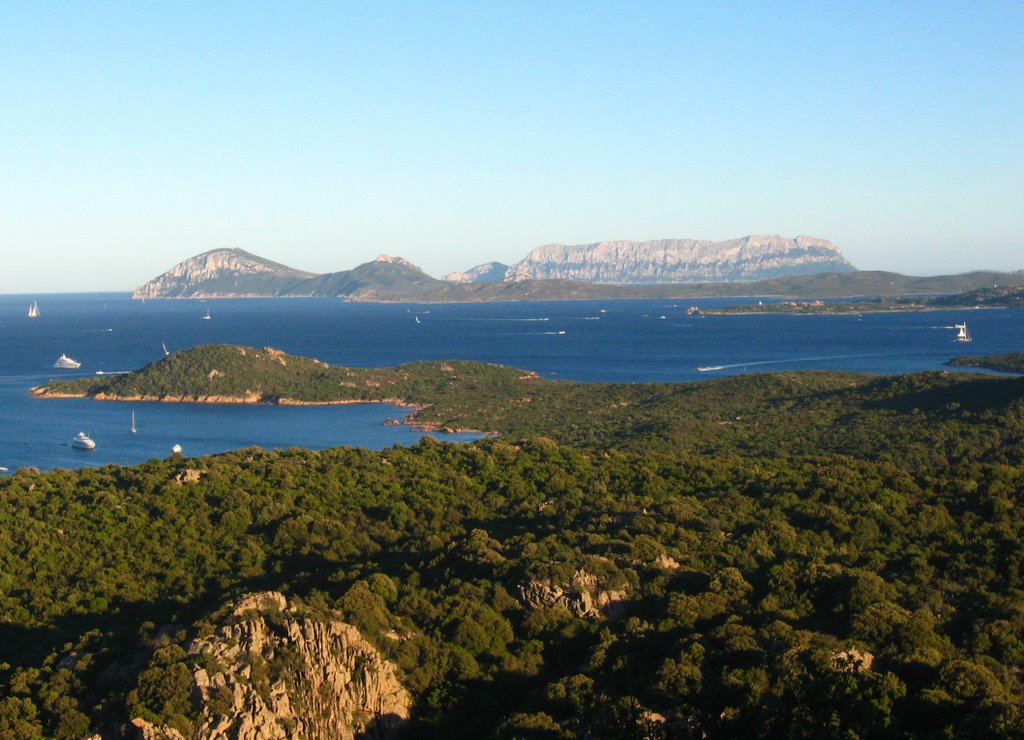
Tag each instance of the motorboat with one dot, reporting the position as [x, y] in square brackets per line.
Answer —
[66, 363]
[82, 441]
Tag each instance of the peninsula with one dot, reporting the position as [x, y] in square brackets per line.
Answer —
[996, 296]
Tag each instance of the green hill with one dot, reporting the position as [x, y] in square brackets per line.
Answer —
[1009, 363]
[761, 414]
[779, 555]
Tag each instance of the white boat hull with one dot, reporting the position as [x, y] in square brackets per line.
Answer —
[83, 442]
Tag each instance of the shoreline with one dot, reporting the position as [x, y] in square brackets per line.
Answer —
[847, 312]
[409, 420]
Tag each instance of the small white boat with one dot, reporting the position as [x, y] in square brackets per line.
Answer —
[66, 363]
[176, 449]
[207, 317]
[962, 335]
[82, 441]
[133, 430]
[33, 310]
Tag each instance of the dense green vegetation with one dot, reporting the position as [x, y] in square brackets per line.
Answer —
[761, 414]
[1004, 296]
[765, 533]
[1008, 363]
[224, 372]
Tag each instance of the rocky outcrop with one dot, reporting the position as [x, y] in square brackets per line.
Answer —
[222, 273]
[274, 673]
[584, 596]
[387, 259]
[681, 260]
[852, 660]
[489, 272]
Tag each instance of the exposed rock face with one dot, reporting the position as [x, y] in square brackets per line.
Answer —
[222, 272]
[144, 730]
[282, 675]
[489, 272]
[681, 260]
[387, 259]
[852, 661]
[583, 596]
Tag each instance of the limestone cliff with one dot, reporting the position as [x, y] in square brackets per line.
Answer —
[222, 273]
[681, 260]
[273, 673]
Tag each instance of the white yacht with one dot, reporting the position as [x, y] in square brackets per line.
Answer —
[962, 335]
[133, 430]
[33, 310]
[207, 317]
[82, 441]
[66, 363]
[176, 449]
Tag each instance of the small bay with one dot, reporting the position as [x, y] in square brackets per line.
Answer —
[626, 341]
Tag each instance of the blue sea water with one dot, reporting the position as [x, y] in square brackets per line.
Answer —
[630, 341]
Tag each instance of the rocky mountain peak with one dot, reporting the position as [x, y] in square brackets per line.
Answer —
[485, 273]
[389, 260]
[221, 272]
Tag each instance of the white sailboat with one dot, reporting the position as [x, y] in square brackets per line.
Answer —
[164, 345]
[33, 310]
[207, 317]
[133, 430]
[962, 335]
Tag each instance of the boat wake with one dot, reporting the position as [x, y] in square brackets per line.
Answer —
[490, 319]
[759, 363]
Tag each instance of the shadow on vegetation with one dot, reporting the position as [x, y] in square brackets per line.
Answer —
[939, 392]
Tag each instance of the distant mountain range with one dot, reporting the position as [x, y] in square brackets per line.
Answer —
[808, 267]
[670, 261]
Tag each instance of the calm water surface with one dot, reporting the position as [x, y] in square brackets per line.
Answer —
[631, 341]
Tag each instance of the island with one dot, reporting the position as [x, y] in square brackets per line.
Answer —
[803, 268]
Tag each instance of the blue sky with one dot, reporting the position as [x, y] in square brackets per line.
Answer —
[134, 135]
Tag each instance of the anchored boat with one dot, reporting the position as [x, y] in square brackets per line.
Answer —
[66, 363]
[82, 441]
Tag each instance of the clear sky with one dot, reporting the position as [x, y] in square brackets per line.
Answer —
[134, 135]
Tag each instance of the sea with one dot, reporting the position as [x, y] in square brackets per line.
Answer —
[635, 341]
